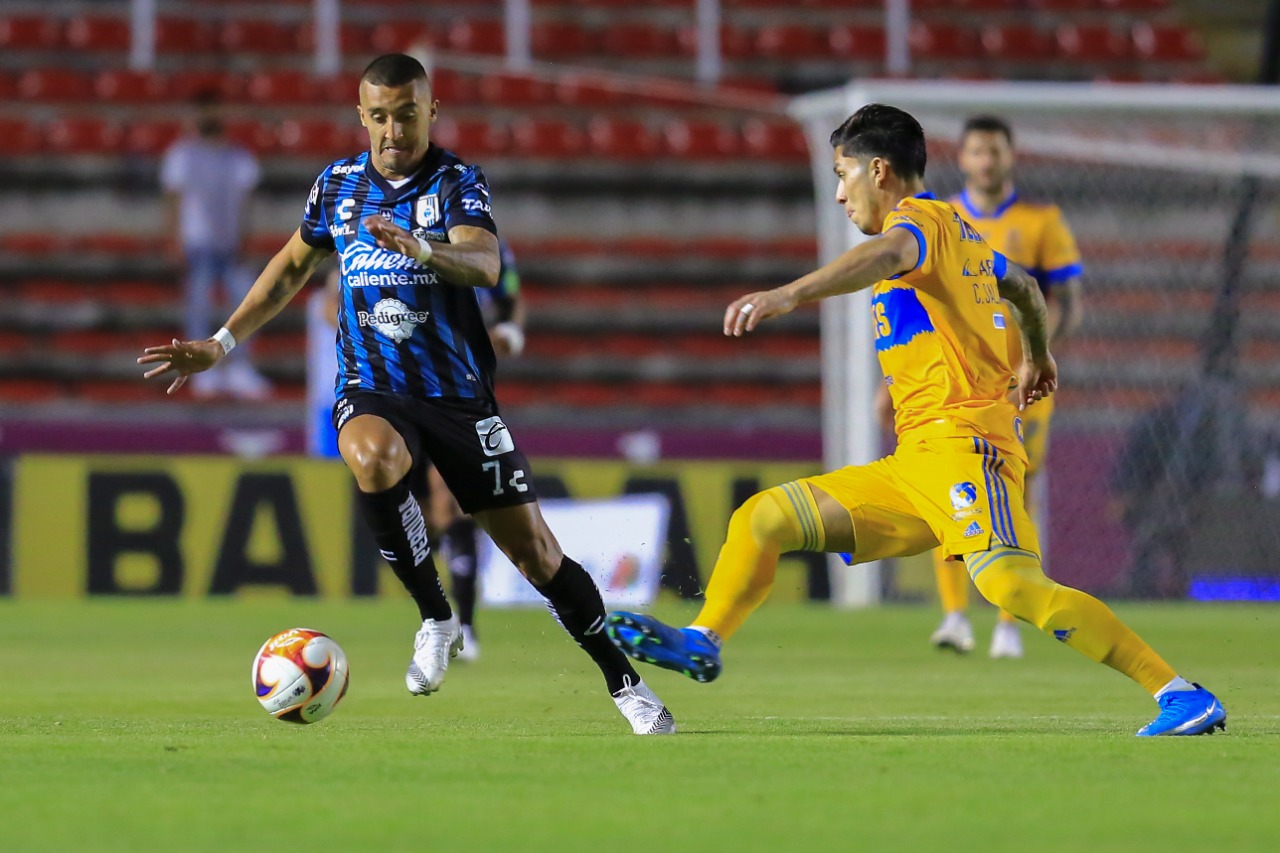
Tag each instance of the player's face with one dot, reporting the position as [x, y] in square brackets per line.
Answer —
[855, 192]
[986, 159]
[398, 119]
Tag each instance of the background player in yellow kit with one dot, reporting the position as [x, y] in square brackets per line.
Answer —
[957, 476]
[1035, 237]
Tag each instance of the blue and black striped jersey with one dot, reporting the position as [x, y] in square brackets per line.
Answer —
[401, 328]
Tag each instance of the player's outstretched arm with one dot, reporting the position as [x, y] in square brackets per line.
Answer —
[284, 276]
[469, 259]
[893, 252]
[1038, 375]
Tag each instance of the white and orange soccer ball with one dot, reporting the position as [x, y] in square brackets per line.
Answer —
[300, 675]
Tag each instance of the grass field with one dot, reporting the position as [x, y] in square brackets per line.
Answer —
[129, 725]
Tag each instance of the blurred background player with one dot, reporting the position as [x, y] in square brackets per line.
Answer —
[455, 531]
[413, 228]
[208, 181]
[1034, 236]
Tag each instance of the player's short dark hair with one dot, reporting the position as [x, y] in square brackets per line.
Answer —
[878, 130]
[393, 69]
[986, 124]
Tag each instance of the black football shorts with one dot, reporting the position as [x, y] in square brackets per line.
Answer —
[465, 439]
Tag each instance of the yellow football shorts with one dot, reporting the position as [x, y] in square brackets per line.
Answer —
[959, 492]
[1035, 433]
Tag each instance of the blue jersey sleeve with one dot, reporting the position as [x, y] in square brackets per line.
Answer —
[468, 202]
[315, 232]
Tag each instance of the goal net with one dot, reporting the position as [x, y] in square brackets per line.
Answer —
[1163, 472]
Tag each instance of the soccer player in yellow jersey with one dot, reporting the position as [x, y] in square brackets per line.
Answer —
[939, 296]
[1035, 237]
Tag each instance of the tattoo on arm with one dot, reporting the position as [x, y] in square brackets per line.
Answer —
[1021, 290]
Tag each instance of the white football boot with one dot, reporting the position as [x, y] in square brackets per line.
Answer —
[470, 651]
[955, 632]
[1006, 640]
[433, 646]
[644, 710]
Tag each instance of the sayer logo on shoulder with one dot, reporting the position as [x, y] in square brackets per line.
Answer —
[495, 438]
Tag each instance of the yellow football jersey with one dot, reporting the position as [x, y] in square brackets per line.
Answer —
[941, 333]
[1033, 236]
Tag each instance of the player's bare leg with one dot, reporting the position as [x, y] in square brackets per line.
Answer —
[522, 534]
[378, 457]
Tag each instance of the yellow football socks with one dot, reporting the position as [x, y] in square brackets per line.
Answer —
[953, 583]
[770, 523]
[1012, 579]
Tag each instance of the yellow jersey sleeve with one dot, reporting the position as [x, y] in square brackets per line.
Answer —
[1059, 259]
[926, 228]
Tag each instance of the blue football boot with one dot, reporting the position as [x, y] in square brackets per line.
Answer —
[1187, 712]
[682, 650]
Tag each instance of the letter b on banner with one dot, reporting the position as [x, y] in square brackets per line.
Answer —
[111, 537]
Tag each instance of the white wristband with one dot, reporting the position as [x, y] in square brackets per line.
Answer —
[424, 250]
[225, 339]
[512, 334]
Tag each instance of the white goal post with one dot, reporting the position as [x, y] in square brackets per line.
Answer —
[1155, 180]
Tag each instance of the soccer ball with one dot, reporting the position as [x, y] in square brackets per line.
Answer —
[300, 675]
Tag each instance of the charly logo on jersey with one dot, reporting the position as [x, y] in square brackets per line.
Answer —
[495, 438]
[426, 212]
[367, 265]
[393, 319]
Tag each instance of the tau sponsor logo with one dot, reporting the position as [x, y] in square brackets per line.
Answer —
[366, 265]
[393, 319]
[473, 205]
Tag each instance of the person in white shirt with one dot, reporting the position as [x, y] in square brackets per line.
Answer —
[208, 181]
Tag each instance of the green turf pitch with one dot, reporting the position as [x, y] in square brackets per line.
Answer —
[132, 726]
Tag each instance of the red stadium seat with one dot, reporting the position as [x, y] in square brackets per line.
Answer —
[185, 85]
[514, 90]
[29, 32]
[857, 43]
[399, 36]
[285, 87]
[577, 90]
[18, 137]
[183, 35]
[99, 34]
[639, 41]
[545, 138]
[85, 136]
[257, 37]
[735, 43]
[1065, 6]
[558, 40]
[129, 87]
[152, 137]
[791, 41]
[1018, 42]
[1166, 43]
[55, 84]
[621, 139]
[469, 138]
[453, 88]
[478, 37]
[250, 134]
[354, 38]
[941, 41]
[343, 90]
[1136, 6]
[1091, 43]
[323, 139]
[699, 140]
[775, 140]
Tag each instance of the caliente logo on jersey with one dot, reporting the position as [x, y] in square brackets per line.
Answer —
[367, 265]
[393, 319]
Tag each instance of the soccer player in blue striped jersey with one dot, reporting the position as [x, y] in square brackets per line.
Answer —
[414, 230]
